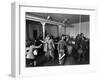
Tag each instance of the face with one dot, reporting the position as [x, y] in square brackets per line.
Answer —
[48, 37]
[63, 37]
[67, 38]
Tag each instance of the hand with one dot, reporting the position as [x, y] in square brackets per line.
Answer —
[41, 40]
[40, 45]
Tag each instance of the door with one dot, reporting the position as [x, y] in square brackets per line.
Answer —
[35, 34]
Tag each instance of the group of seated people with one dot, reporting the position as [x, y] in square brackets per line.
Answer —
[50, 48]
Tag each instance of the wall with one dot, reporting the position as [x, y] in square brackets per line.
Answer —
[52, 29]
[73, 31]
[34, 26]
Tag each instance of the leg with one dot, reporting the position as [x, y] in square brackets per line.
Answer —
[47, 56]
[61, 60]
[52, 55]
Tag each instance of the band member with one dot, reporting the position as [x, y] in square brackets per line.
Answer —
[62, 47]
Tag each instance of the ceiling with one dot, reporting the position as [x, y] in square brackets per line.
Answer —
[72, 18]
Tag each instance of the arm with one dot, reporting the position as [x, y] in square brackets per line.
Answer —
[27, 50]
[58, 47]
[37, 46]
[53, 45]
[43, 41]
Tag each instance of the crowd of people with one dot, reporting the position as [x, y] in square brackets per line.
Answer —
[59, 48]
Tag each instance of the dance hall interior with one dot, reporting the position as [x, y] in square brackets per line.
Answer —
[56, 39]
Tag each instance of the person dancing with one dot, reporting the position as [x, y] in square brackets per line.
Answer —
[49, 47]
[62, 47]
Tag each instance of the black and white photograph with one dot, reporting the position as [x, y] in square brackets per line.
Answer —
[56, 39]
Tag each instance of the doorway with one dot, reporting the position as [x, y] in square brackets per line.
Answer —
[35, 34]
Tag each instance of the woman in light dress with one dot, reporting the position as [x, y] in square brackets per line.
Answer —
[49, 47]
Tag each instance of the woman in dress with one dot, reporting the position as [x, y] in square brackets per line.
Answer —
[49, 47]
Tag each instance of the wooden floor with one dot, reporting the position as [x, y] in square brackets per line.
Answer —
[68, 61]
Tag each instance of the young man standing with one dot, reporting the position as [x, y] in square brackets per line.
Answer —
[62, 48]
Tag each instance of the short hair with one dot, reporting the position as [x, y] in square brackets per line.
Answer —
[49, 35]
[63, 35]
[30, 43]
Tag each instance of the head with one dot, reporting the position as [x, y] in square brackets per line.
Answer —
[82, 36]
[63, 37]
[67, 37]
[30, 43]
[48, 36]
